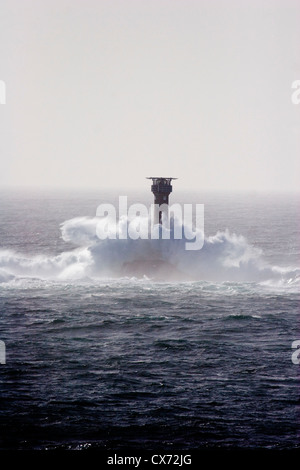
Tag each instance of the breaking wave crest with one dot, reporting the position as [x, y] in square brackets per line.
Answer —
[223, 257]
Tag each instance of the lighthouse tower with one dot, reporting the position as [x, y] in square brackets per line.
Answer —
[161, 188]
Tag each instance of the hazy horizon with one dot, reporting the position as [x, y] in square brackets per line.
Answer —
[101, 94]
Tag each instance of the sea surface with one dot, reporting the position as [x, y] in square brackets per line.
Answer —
[99, 360]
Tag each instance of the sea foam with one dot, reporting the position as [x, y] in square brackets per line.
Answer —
[223, 257]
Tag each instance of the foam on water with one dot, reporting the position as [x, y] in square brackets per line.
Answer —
[223, 257]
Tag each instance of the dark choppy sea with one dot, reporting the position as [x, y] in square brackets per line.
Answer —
[96, 361]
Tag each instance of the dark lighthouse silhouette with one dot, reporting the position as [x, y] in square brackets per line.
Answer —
[152, 263]
[161, 188]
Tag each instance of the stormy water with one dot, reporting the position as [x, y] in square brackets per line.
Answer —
[100, 358]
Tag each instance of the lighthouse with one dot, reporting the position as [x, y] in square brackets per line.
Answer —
[161, 188]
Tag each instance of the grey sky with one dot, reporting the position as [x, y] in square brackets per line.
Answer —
[101, 93]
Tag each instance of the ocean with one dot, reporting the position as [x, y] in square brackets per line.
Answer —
[95, 359]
